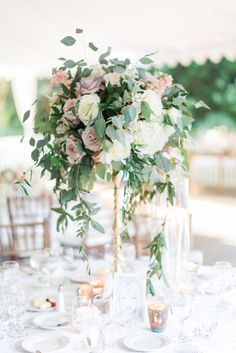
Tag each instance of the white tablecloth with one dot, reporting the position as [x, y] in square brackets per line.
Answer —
[224, 339]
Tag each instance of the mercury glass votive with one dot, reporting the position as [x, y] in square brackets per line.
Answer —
[158, 314]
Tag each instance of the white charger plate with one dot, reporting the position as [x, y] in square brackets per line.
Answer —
[146, 342]
[49, 321]
[45, 343]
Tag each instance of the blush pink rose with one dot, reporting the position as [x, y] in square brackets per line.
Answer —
[90, 84]
[72, 151]
[90, 141]
[60, 77]
[159, 85]
[68, 110]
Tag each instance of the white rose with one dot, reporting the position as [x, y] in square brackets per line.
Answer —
[151, 137]
[113, 78]
[117, 151]
[88, 107]
[175, 115]
[155, 104]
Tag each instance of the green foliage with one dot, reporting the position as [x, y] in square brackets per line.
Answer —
[9, 121]
[68, 41]
[216, 85]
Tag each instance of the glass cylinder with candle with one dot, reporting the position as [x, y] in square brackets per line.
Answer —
[158, 314]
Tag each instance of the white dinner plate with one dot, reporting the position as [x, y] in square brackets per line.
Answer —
[78, 277]
[45, 343]
[51, 321]
[146, 342]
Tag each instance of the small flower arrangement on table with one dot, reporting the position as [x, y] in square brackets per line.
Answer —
[109, 121]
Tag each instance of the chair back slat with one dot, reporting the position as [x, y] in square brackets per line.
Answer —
[17, 239]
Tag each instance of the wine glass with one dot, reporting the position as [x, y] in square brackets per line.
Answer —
[103, 306]
[16, 308]
[206, 316]
[38, 261]
[91, 329]
[81, 306]
[223, 272]
[87, 322]
[12, 272]
[194, 261]
[181, 309]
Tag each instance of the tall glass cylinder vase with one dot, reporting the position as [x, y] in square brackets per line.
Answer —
[173, 222]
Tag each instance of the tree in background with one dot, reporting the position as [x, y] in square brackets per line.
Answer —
[217, 84]
[9, 120]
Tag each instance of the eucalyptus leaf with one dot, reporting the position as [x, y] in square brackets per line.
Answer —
[145, 110]
[26, 116]
[130, 114]
[69, 64]
[78, 30]
[145, 60]
[68, 41]
[92, 46]
[100, 127]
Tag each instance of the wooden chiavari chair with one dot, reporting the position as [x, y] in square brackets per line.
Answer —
[18, 240]
[29, 209]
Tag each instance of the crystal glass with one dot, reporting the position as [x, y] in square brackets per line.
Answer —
[206, 316]
[181, 305]
[194, 261]
[81, 306]
[12, 274]
[87, 322]
[103, 305]
[3, 295]
[223, 276]
[38, 261]
[68, 254]
[91, 329]
[16, 309]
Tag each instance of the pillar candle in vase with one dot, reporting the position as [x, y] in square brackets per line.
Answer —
[158, 314]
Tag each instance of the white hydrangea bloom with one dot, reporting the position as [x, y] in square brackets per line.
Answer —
[117, 151]
[151, 137]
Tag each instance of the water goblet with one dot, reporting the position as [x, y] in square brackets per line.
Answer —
[12, 274]
[103, 306]
[81, 306]
[16, 308]
[206, 316]
[181, 309]
[223, 272]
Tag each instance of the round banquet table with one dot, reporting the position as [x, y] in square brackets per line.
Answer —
[224, 338]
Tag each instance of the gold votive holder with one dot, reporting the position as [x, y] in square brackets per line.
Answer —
[158, 314]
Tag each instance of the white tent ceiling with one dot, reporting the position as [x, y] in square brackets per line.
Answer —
[180, 30]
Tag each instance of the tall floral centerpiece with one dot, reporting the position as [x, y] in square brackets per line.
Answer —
[111, 121]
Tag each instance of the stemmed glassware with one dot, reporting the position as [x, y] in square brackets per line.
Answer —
[12, 273]
[103, 306]
[181, 306]
[16, 308]
[206, 316]
[223, 272]
[88, 322]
